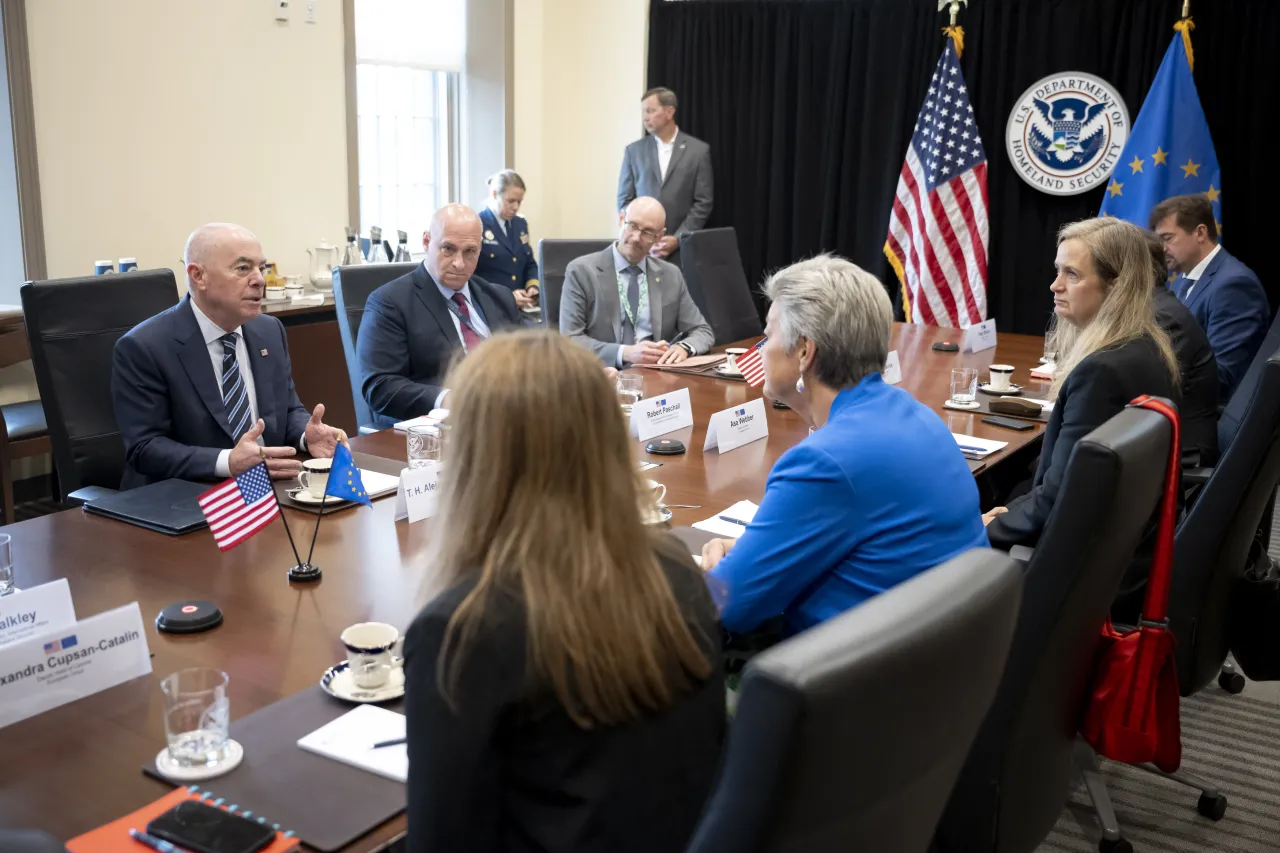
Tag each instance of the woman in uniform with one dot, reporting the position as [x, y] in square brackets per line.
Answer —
[507, 256]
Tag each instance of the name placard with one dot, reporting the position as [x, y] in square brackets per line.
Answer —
[72, 662]
[661, 415]
[417, 495]
[735, 427]
[892, 374]
[980, 337]
[35, 611]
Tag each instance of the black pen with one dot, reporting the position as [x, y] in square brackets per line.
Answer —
[395, 742]
[733, 520]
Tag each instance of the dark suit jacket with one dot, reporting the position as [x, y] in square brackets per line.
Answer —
[686, 193]
[169, 406]
[1098, 388]
[407, 340]
[506, 258]
[1231, 307]
[1199, 369]
[508, 771]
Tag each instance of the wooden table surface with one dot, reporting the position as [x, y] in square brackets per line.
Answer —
[78, 766]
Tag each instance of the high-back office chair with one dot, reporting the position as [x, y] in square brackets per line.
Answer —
[849, 735]
[1015, 782]
[1211, 551]
[351, 288]
[1234, 409]
[553, 257]
[713, 270]
[72, 327]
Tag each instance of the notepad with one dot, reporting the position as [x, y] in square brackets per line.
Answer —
[376, 485]
[351, 737]
[424, 420]
[742, 511]
[978, 448]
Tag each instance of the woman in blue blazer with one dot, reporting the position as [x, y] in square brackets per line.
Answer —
[506, 258]
[877, 494]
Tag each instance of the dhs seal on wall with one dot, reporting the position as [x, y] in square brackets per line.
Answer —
[1066, 133]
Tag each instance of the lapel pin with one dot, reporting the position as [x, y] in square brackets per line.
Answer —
[262, 351]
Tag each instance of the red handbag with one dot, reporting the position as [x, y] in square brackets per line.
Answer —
[1133, 711]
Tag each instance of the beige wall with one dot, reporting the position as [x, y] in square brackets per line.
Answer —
[154, 116]
[579, 75]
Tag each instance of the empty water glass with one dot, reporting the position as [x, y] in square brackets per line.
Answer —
[6, 566]
[964, 386]
[197, 716]
[630, 391]
[424, 445]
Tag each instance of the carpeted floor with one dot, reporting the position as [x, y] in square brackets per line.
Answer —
[1231, 741]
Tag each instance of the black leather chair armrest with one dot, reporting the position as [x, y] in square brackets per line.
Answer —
[1196, 476]
[1022, 553]
[80, 497]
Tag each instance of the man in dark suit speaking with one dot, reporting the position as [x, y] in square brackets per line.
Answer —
[204, 389]
[412, 326]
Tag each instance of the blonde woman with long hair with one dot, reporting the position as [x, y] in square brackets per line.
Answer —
[565, 690]
[1111, 350]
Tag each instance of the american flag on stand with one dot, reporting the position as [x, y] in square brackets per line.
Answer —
[937, 240]
[751, 364]
[240, 507]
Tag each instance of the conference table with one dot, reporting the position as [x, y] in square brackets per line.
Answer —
[78, 766]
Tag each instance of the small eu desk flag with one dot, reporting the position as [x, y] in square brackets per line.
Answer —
[1170, 151]
[344, 478]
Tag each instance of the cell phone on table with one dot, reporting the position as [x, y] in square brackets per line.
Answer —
[1009, 423]
[201, 828]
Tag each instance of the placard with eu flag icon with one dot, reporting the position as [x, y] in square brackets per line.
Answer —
[1170, 151]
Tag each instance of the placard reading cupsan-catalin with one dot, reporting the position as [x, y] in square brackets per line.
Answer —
[72, 662]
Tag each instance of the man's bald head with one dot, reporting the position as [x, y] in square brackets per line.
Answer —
[225, 267]
[643, 223]
[452, 242]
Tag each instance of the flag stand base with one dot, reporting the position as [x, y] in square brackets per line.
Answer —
[304, 573]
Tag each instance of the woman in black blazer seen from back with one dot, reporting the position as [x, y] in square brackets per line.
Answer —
[564, 692]
[1110, 350]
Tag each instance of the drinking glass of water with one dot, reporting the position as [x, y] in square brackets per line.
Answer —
[630, 391]
[197, 716]
[6, 566]
[964, 385]
[424, 446]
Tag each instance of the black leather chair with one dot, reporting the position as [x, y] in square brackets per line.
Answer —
[713, 270]
[72, 327]
[553, 257]
[1211, 551]
[351, 288]
[1015, 782]
[849, 735]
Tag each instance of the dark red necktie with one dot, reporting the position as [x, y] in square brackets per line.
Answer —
[470, 339]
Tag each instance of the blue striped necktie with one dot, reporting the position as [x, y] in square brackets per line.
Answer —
[234, 395]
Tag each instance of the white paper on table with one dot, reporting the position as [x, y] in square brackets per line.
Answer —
[377, 484]
[697, 560]
[742, 510]
[1046, 406]
[350, 739]
[984, 446]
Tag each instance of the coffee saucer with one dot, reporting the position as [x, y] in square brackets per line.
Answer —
[338, 683]
[302, 496]
[170, 769]
[964, 407]
[726, 370]
[1011, 391]
[658, 515]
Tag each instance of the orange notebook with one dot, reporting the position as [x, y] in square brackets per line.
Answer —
[114, 837]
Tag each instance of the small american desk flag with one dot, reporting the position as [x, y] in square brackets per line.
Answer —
[751, 364]
[937, 241]
[240, 507]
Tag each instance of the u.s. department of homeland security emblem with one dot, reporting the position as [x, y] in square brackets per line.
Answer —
[1066, 133]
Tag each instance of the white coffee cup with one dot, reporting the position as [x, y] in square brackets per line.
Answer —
[275, 294]
[292, 287]
[733, 354]
[657, 494]
[370, 652]
[315, 476]
[1001, 376]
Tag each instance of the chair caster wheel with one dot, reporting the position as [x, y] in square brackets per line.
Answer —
[1232, 682]
[1212, 807]
[1120, 845]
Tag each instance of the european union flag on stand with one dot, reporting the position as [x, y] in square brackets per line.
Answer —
[344, 478]
[1170, 151]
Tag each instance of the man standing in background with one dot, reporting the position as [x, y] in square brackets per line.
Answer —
[671, 166]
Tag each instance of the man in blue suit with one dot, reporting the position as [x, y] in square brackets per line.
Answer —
[1223, 294]
[413, 326]
[204, 389]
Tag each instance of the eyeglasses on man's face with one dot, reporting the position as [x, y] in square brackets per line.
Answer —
[651, 236]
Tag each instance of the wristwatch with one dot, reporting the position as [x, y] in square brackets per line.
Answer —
[688, 348]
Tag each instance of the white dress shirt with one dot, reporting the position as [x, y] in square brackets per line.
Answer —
[212, 334]
[664, 153]
[477, 319]
[502, 225]
[1196, 273]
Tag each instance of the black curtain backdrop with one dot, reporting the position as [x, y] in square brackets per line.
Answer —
[808, 106]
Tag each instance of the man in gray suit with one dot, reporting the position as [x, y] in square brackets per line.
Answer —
[671, 166]
[624, 304]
